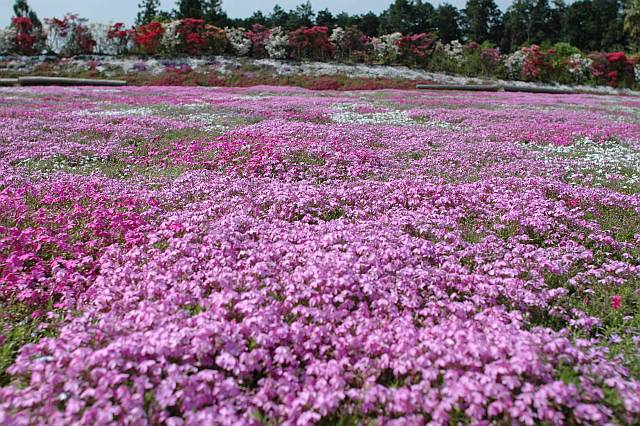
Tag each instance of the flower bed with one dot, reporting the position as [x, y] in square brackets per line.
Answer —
[258, 255]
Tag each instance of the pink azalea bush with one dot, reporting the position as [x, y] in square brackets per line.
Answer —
[277, 255]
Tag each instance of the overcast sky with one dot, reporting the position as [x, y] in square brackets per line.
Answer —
[125, 10]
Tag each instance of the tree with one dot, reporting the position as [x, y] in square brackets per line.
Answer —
[278, 17]
[632, 20]
[408, 17]
[532, 22]
[149, 9]
[482, 21]
[301, 16]
[397, 18]
[369, 24]
[257, 18]
[344, 20]
[212, 13]
[594, 25]
[189, 9]
[325, 18]
[447, 22]
[21, 9]
[424, 18]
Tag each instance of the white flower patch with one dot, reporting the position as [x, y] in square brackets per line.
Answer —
[606, 161]
[84, 163]
[119, 112]
[346, 115]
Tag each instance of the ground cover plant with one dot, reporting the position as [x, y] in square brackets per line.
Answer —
[274, 255]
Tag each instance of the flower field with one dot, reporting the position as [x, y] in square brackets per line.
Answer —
[273, 255]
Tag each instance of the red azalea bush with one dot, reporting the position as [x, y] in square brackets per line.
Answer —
[26, 36]
[70, 36]
[148, 37]
[416, 48]
[81, 41]
[613, 68]
[119, 36]
[489, 60]
[538, 63]
[190, 31]
[620, 69]
[311, 43]
[259, 35]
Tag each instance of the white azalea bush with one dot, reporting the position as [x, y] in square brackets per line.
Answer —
[514, 63]
[386, 47]
[170, 38]
[578, 67]
[454, 50]
[240, 44]
[277, 43]
[7, 40]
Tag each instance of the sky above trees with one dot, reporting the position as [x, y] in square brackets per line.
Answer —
[125, 10]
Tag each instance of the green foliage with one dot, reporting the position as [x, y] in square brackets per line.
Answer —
[189, 9]
[21, 324]
[482, 21]
[149, 9]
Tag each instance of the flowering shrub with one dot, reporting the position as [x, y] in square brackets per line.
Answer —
[240, 43]
[119, 38]
[259, 36]
[7, 40]
[619, 69]
[190, 33]
[26, 38]
[537, 62]
[386, 47]
[215, 39]
[514, 64]
[276, 44]
[57, 31]
[69, 36]
[149, 37]
[578, 66]
[311, 43]
[415, 48]
[350, 43]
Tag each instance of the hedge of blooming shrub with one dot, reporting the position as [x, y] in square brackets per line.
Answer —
[561, 63]
[188, 256]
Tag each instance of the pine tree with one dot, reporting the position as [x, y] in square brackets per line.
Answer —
[212, 12]
[189, 9]
[21, 9]
[148, 11]
[632, 20]
[448, 23]
[482, 21]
